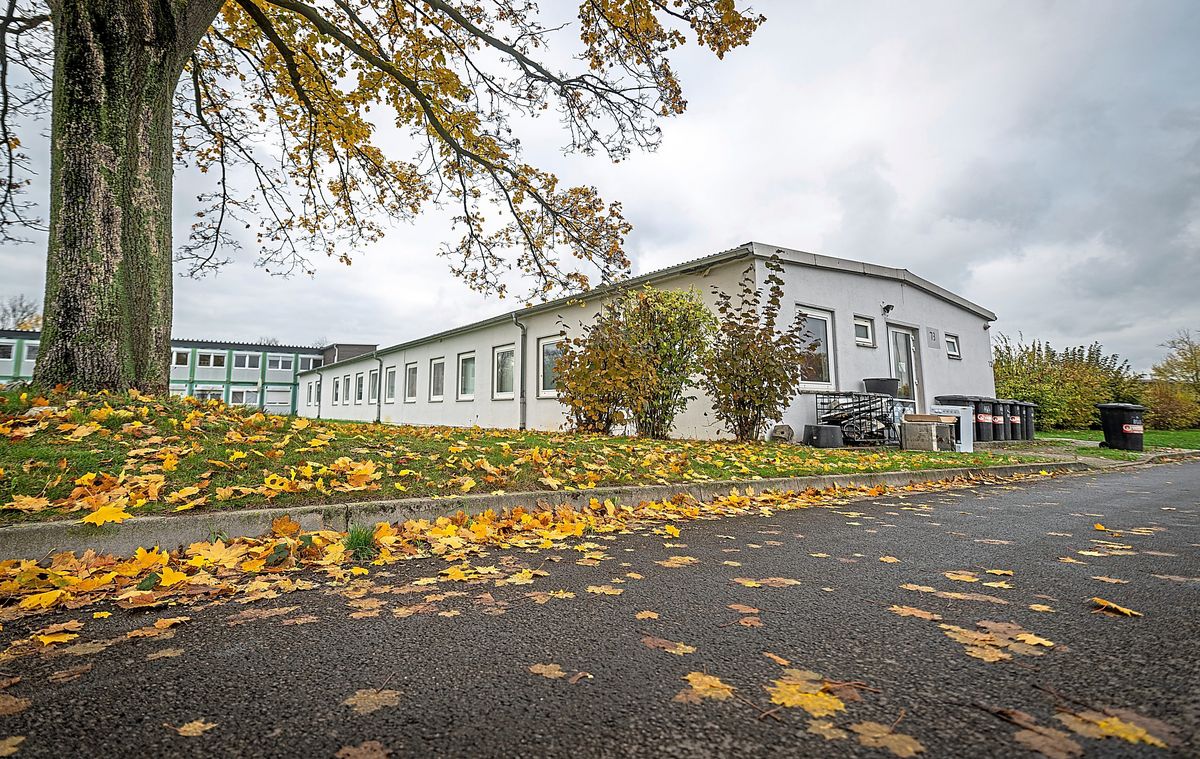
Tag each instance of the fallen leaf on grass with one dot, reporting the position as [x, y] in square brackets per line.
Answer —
[1109, 607]
[875, 735]
[670, 646]
[193, 729]
[548, 671]
[367, 700]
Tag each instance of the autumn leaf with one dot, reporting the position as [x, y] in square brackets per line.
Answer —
[826, 730]
[193, 729]
[548, 671]
[604, 590]
[42, 600]
[646, 615]
[702, 686]
[169, 577]
[911, 611]
[889, 559]
[106, 514]
[11, 744]
[1115, 609]
[1110, 580]
[670, 646]
[776, 658]
[875, 735]
[367, 700]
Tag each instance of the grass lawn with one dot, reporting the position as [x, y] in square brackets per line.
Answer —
[1153, 438]
[101, 456]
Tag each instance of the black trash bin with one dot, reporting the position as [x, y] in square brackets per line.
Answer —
[983, 420]
[1014, 420]
[1027, 421]
[999, 419]
[1122, 424]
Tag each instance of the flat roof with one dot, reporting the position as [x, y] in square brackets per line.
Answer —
[749, 250]
[33, 334]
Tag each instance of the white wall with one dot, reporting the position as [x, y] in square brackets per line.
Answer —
[843, 293]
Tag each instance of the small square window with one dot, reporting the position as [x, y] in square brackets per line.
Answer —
[952, 348]
[246, 360]
[864, 331]
[6, 351]
[204, 359]
[181, 358]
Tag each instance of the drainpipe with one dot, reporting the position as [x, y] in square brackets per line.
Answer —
[378, 388]
[524, 345]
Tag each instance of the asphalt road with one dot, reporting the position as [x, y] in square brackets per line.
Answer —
[459, 684]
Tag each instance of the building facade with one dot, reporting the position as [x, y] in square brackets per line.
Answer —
[865, 321]
[240, 374]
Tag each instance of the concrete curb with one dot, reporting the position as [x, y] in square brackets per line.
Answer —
[35, 541]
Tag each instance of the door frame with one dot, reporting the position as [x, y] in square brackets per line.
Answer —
[915, 334]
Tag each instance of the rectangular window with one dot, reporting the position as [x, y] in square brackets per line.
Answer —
[466, 377]
[279, 397]
[346, 390]
[503, 371]
[283, 363]
[214, 360]
[246, 360]
[952, 349]
[308, 394]
[410, 383]
[373, 386]
[181, 358]
[437, 379]
[549, 349]
[864, 331]
[209, 394]
[358, 387]
[309, 362]
[243, 397]
[389, 385]
[31, 351]
[318, 392]
[816, 367]
[6, 351]
[337, 387]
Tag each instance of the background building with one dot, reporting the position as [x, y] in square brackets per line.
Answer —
[240, 374]
[866, 321]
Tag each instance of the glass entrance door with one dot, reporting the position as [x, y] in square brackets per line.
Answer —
[903, 347]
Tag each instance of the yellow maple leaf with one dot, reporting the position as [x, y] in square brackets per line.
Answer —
[672, 530]
[52, 638]
[106, 514]
[708, 686]
[794, 693]
[169, 577]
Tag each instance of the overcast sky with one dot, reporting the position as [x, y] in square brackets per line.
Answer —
[1040, 158]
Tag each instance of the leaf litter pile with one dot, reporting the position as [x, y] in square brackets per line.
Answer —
[288, 562]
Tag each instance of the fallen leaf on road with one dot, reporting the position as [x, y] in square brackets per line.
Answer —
[11, 744]
[646, 615]
[1094, 724]
[1112, 580]
[193, 729]
[1109, 607]
[961, 576]
[166, 653]
[702, 686]
[10, 705]
[743, 609]
[364, 750]
[1001, 572]
[912, 611]
[750, 622]
[575, 678]
[548, 671]
[889, 559]
[875, 735]
[251, 615]
[73, 673]
[1041, 607]
[776, 658]
[303, 620]
[367, 700]
[670, 646]
[604, 590]
[826, 730]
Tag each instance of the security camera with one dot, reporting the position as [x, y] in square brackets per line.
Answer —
[887, 307]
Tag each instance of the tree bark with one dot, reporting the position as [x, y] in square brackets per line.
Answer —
[108, 276]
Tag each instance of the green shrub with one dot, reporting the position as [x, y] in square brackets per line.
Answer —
[1171, 406]
[360, 542]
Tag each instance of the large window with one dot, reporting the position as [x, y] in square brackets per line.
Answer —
[549, 349]
[503, 371]
[215, 360]
[952, 348]
[864, 331]
[239, 397]
[283, 363]
[246, 360]
[373, 386]
[410, 383]
[337, 391]
[466, 377]
[358, 387]
[816, 366]
[389, 385]
[437, 379]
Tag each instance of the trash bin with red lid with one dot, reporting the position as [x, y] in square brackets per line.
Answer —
[1122, 424]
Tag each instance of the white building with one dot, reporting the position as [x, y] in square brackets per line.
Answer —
[868, 320]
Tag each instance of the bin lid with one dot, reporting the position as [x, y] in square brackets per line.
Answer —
[1121, 406]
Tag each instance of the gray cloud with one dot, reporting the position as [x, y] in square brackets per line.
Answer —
[1042, 159]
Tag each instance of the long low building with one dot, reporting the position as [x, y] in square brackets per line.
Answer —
[259, 375]
[866, 321]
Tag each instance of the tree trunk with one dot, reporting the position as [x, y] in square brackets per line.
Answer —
[108, 275]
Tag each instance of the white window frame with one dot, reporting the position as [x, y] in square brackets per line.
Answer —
[187, 358]
[246, 360]
[955, 352]
[458, 377]
[869, 323]
[496, 393]
[359, 387]
[337, 392]
[32, 350]
[389, 378]
[346, 390]
[243, 391]
[313, 362]
[826, 315]
[279, 359]
[541, 365]
[213, 358]
[308, 394]
[12, 350]
[373, 386]
[219, 390]
[442, 395]
[410, 387]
